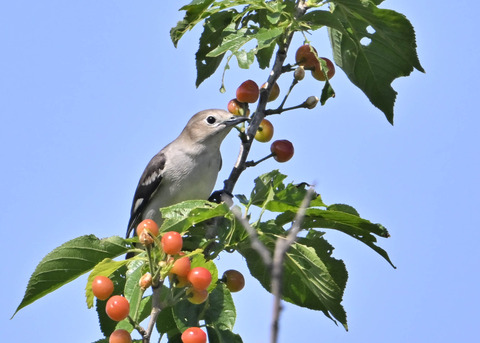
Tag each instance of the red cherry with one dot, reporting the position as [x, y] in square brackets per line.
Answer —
[120, 336]
[282, 150]
[306, 56]
[317, 72]
[248, 92]
[172, 243]
[181, 267]
[102, 287]
[200, 278]
[194, 335]
[117, 308]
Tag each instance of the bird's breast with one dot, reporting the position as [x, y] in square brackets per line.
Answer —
[192, 177]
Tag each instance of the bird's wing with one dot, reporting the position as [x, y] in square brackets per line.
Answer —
[147, 186]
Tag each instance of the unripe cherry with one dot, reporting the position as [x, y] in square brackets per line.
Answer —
[299, 73]
[145, 281]
[311, 102]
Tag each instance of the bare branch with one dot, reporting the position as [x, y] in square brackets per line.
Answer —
[281, 247]
[256, 244]
[156, 308]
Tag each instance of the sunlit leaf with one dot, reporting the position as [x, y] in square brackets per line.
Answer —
[69, 261]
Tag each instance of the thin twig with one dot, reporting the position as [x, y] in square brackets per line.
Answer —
[156, 308]
[281, 247]
[256, 244]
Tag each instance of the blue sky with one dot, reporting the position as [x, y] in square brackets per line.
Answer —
[90, 90]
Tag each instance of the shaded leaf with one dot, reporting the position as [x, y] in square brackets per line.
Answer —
[374, 47]
[107, 325]
[327, 93]
[210, 39]
[222, 336]
[220, 312]
[166, 323]
[310, 279]
[264, 55]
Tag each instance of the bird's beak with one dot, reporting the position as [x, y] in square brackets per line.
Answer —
[235, 120]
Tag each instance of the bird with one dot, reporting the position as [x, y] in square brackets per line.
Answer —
[185, 169]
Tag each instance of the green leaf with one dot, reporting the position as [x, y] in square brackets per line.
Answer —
[311, 277]
[315, 20]
[210, 39]
[220, 312]
[166, 323]
[351, 224]
[343, 208]
[186, 314]
[374, 47]
[264, 55]
[271, 193]
[200, 261]
[222, 336]
[245, 58]
[132, 292]
[107, 325]
[265, 187]
[233, 40]
[104, 268]
[69, 261]
[327, 93]
[182, 216]
[290, 198]
[195, 12]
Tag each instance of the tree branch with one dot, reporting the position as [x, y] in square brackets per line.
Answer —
[281, 247]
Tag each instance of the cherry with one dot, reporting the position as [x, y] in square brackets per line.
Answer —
[172, 243]
[148, 225]
[317, 72]
[234, 280]
[299, 73]
[200, 278]
[274, 93]
[117, 308]
[194, 335]
[145, 281]
[264, 132]
[102, 287]
[197, 296]
[306, 56]
[248, 91]
[181, 267]
[311, 102]
[180, 281]
[236, 108]
[120, 336]
[146, 230]
[282, 150]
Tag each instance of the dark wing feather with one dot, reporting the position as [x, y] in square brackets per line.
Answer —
[147, 186]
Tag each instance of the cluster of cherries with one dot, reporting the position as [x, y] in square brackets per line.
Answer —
[248, 92]
[197, 280]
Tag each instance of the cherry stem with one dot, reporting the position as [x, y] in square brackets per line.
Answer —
[151, 264]
[253, 163]
[281, 110]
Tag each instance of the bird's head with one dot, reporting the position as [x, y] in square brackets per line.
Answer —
[211, 126]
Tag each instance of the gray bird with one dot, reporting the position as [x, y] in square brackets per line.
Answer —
[186, 169]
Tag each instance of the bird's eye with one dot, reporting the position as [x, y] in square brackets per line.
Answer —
[211, 119]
